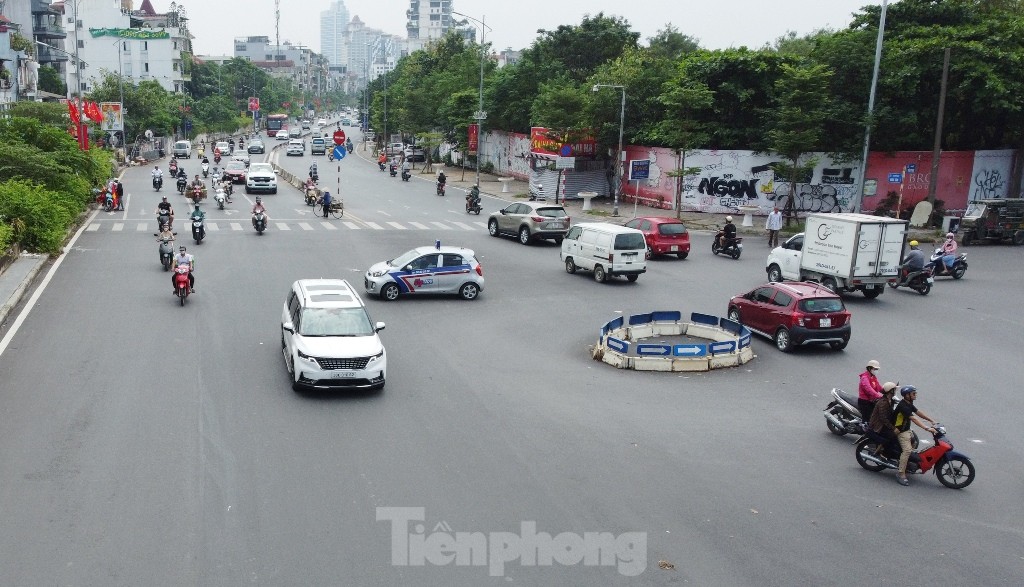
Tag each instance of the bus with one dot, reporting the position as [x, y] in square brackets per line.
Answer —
[276, 122]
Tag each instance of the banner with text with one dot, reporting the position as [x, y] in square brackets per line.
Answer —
[544, 141]
[130, 33]
[474, 139]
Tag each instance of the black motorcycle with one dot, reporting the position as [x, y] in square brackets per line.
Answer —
[406, 175]
[182, 184]
[158, 182]
[956, 269]
[732, 247]
[918, 280]
[473, 202]
[393, 170]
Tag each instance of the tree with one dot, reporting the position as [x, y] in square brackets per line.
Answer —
[670, 44]
[50, 81]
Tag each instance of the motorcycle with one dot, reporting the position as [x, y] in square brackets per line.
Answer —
[920, 281]
[842, 416]
[172, 168]
[310, 193]
[440, 189]
[206, 170]
[330, 155]
[158, 182]
[733, 247]
[108, 202]
[381, 165]
[164, 217]
[473, 202]
[166, 251]
[955, 268]
[393, 170]
[198, 229]
[182, 184]
[181, 288]
[348, 146]
[219, 197]
[314, 176]
[259, 222]
[953, 469]
[197, 193]
[406, 175]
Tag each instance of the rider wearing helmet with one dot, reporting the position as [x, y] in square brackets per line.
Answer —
[259, 207]
[164, 208]
[914, 261]
[183, 258]
[904, 413]
[881, 418]
[948, 253]
[728, 233]
[868, 390]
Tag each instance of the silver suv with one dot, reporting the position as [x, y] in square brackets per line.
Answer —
[328, 340]
[529, 221]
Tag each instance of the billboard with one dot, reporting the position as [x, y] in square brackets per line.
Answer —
[544, 141]
[113, 116]
[474, 139]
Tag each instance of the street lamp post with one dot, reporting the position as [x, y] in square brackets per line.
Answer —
[859, 196]
[619, 155]
[480, 114]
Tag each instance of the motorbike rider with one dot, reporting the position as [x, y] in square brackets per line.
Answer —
[158, 175]
[313, 172]
[868, 390]
[202, 154]
[198, 214]
[473, 197]
[914, 261]
[904, 413]
[173, 166]
[259, 207]
[181, 177]
[183, 258]
[382, 159]
[406, 167]
[164, 208]
[948, 253]
[441, 180]
[881, 422]
[165, 233]
[728, 233]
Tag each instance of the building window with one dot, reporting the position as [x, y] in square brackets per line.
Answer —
[435, 17]
[175, 45]
[174, 66]
[145, 67]
[145, 45]
[81, 44]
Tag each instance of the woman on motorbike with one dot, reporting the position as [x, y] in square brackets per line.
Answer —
[948, 254]
[869, 390]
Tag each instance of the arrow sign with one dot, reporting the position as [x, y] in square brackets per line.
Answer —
[339, 152]
[656, 350]
[618, 345]
[727, 346]
[690, 350]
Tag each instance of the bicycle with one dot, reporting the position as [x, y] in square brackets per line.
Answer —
[337, 209]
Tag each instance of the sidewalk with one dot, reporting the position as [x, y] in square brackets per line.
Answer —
[15, 280]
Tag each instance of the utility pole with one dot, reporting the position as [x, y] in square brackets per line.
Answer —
[859, 196]
[937, 148]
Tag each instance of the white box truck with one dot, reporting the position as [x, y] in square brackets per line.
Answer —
[843, 252]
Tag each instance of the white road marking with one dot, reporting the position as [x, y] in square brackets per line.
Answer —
[236, 226]
[118, 227]
[352, 225]
[398, 226]
[94, 227]
[140, 227]
[282, 226]
[212, 226]
[419, 226]
[442, 225]
[463, 226]
[305, 226]
[328, 225]
[375, 226]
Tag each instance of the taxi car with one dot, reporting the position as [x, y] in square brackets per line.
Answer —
[427, 270]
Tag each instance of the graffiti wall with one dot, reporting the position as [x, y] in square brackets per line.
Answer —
[508, 152]
[726, 180]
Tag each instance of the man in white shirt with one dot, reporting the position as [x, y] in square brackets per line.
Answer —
[773, 224]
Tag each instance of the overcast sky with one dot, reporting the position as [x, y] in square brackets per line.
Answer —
[717, 24]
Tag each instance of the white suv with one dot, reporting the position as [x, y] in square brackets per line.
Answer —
[261, 178]
[328, 340]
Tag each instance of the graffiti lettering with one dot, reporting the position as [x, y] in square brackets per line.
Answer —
[989, 184]
[837, 176]
[725, 186]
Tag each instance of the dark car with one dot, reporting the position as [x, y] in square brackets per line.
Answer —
[793, 313]
[664, 236]
[235, 171]
[256, 146]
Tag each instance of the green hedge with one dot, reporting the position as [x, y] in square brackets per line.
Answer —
[39, 218]
[6, 237]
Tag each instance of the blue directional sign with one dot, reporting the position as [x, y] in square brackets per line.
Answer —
[656, 350]
[690, 350]
[339, 152]
[639, 169]
[895, 178]
[726, 346]
[911, 167]
[618, 345]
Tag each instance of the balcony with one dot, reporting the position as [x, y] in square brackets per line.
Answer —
[49, 31]
[48, 55]
[43, 7]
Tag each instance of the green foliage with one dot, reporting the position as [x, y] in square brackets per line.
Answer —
[39, 212]
[50, 80]
[48, 113]
[6, 236]
[670, 44]
[20, 43]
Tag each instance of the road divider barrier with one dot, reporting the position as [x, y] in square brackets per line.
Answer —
[619, 346]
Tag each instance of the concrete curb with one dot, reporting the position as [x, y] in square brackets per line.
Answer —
[19, 293]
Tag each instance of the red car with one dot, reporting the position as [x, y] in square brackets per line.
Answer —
[793, 313]
[235, 171]
[664, 236]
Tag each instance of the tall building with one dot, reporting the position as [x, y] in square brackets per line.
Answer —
[429, 20]
[334, 34]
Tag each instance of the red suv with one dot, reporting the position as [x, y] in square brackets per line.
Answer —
[664, 236]
[793, 313]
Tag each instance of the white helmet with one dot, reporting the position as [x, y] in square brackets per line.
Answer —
[728, 218]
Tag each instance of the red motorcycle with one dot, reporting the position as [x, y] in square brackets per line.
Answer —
[953, 469]
[181, 288]
[197, 193]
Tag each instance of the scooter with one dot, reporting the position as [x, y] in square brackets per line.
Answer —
[108, 202]
[172, 167]
[198, 229]
[158, 182]
[406, 175]
[259, 222]
[381, 165]
[393, 170]
[166, 251]
[473, 202]
[197, 193]
[953, 469]
[164, 217]
[920, 281]
[733, 247]
[842, 416]
[955, 268]
[181, 288]
[206, 169]
[440, 189]
[219, 197]
[182, 184]
[310, 194]
[315, 177]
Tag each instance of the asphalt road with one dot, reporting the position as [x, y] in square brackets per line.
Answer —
[149, 444]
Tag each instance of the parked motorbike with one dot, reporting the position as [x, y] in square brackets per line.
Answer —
[473, 202]
[393, 170]
[733, 247]
[158, 182]
[920, 281]
[259, 222]
[440, 189]
[953, 469]
[181, 288]
[206, 170]
[198, 229]
[955, 268]
[166, 251]
[406, 175]
[108, 202]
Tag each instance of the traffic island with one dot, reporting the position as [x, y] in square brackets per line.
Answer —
[708, 342]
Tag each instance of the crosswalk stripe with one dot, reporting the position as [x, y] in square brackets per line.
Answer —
[352, 225]
[398, 225]
[328, 225]
[93, 227]
[481, 224]
[212, 226]
[375, 226]
[140, 227]
[305, 226]
[118, 227]
[236, 226]
[463, 226]
[441, 225]
[282, 226]
[419, 226]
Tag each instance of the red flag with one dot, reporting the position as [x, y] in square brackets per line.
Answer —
[73, 112]
[93, 112]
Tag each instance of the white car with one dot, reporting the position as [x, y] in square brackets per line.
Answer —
[261, 178]
[223, 147]
[427, 270]
[321, 121]
[328, 340]
[241, 156]
[283, 135]
[296, 147]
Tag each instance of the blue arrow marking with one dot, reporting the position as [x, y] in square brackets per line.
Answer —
[657, 350]
[727, 346]
[339, 152]
[690, 350]
[618, 345]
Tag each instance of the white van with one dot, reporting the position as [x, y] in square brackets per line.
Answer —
[606, 249]
[182, 150]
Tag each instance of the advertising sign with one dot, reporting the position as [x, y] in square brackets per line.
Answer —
[254, 103]
[130, 33]
[639, 169]
[546, 142]
[113, 118]
[474, 138]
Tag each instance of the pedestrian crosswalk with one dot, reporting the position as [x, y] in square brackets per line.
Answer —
[294, 225]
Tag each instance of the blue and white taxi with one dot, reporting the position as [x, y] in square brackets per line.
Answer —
[427, 270]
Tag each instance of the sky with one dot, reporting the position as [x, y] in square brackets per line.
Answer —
[716, 24]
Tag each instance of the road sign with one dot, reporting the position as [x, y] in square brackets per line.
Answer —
[690, 350]
[480, 115]
[654, 350]
[895, 178]
[339, 152]
[565, 163]
[565, 151]
[639, 169]
[911, 167]
[339, 137]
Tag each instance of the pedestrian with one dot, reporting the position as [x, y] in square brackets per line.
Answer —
[327, 203]
[773, 224]
[119, 187]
